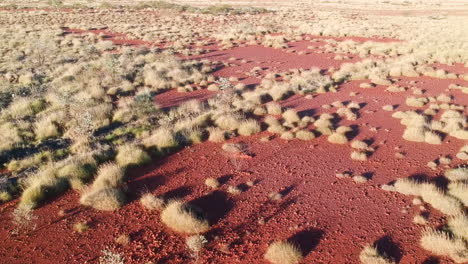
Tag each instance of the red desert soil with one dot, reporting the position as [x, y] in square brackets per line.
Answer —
[331, 218]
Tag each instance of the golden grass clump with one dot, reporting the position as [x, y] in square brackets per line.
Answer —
[360, 179]
[291, 116]
[110, 175]
[273, 108]
[162, 138]
[358, 144]
[41, 186]
[370, 255]
[463, 153]
[150, 202]
[337, 138]
[420, 220]
[304, 135]
[234, 190]
[459, 190]
[104, 199]
[458, 225]
[407, 187]
[432, 138]
[388, 108]
[212, 183]
[457, 174]
[442, 244]
[415, 134]
[430, 194]
[416, 101]
[216, 134]
[249, 127]
[288, 135]
[232, 147]
[228, 121]
[9, 136]
[46, 128]
[359, 155]
[283, 252]
[184, 218]
[80, 227]
[131, 155]
[123, 239]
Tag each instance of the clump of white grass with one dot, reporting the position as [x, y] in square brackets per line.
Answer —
[283, 252]
[370, 255]
[151, 202]
[184, 218]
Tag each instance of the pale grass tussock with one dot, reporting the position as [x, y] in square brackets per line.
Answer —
[360, 179]
[304, 135]
[359, 155]
[248, 128]
[442, 244]
[151, 202]
[161, 138]
[416, 101]
[131, 155]
[283, 252]
[457, 174]
[458, 225]
[337, 138]
[212, 183]
[459, 190]
[109, 175]
[420, 220]
[273, 108]
[430, 194]
[291, 116]
[370, 255]
[184, 218]
[105, 199]
[216, 134]
[287, 135]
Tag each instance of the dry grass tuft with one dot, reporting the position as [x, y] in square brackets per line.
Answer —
[184, 218]
[458, 225]
[291, 116]
[459, 190]
[420, 220]
[304, 135]
[123, 239]
[131, 155]
[216, 134]
[288, 135]
[359, 155]
[337, 138]
[457, 174]
[106, 199]
[110, 175]
[360, 179]
[151, 202]
[282, 252]
[195, 244]
[80, 227]
[370, 255]
[212, 183]
[274, 108]
[442, 244]
[248, 128]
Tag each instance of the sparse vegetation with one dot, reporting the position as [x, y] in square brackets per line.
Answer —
[283, 252]
[184, 218]
[370, 255]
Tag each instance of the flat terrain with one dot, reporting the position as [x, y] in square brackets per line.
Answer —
[308, 118]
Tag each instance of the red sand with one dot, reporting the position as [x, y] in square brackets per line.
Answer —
[330, 218]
